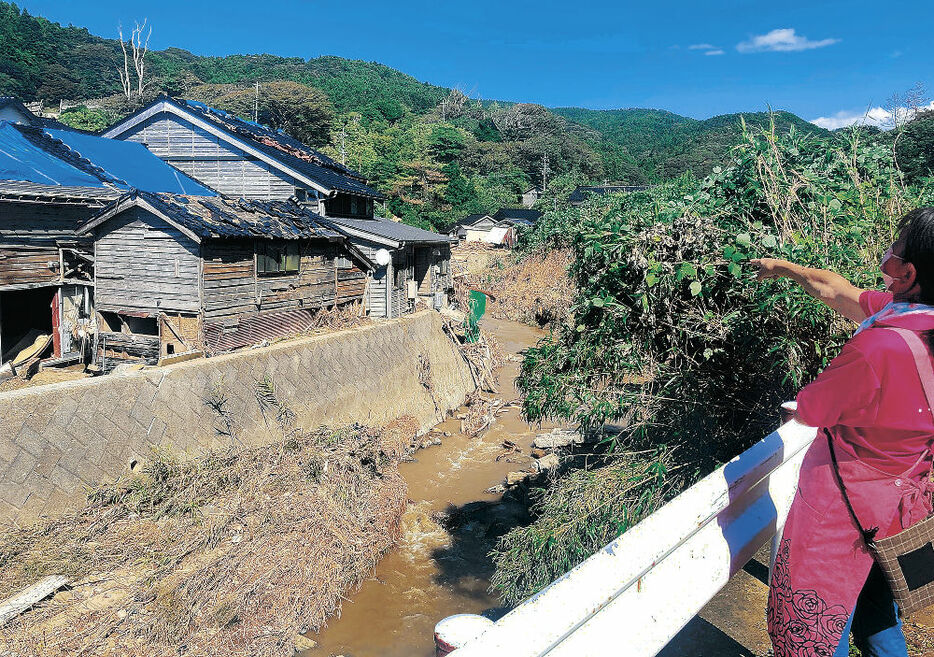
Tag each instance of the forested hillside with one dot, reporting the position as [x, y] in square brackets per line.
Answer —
[667, 145]
[437, 154]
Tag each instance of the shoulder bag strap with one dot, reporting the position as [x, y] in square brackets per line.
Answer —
[869, 535]
[926, 372]
[922, 361]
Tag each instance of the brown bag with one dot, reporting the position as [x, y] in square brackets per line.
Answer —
[907, 558]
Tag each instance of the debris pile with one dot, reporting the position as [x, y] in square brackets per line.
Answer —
[234, 553]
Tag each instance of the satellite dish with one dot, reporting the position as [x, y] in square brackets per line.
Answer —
[383, 257]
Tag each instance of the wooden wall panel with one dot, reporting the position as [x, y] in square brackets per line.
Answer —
[144, 264]
[211, 160]
[29, 237]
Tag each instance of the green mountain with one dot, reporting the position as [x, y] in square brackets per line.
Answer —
[667, 144]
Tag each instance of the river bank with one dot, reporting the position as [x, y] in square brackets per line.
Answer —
[441, 565]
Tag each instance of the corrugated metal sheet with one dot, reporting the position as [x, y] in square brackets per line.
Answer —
[255, 329]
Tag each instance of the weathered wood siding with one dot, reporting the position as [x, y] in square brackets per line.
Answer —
[143, 264]
[29, 237]
[211, 160]
[241, 307]
[232, 288]
[403, 263]
[442, 280]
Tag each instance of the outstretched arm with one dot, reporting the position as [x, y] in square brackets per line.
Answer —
[831, 288]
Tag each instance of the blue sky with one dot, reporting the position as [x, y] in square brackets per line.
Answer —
[832, 59]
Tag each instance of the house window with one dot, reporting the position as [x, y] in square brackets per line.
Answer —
[301, 195]
[277, 258]
[344, 263]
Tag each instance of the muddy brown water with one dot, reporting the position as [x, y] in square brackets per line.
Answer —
[436, 572]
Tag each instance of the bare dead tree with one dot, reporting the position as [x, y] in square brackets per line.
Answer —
[901, 109]
[137, 53]
[125, 71]
[140, 48]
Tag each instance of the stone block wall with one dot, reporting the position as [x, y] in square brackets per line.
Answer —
[60, 439]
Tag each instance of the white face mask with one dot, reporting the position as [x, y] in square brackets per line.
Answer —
[888, 280]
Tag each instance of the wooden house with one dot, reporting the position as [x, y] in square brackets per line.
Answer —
[485, 229]
[51, 182]
[531, 195]
[177, 274]
[412, 265]
[244, 159]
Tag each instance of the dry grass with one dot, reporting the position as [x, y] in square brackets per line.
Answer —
[231, 554]
[341, 317]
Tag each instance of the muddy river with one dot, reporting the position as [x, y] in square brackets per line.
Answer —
[435, 572]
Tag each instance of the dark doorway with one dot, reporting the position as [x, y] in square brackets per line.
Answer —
[24, 315]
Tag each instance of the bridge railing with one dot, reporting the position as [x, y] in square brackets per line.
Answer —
[638, 592]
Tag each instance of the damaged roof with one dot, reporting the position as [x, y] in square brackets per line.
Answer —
[386, 231]
[220, 217]
[42, 156]
[280, 147]
[520, 215]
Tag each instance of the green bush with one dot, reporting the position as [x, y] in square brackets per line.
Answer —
[670, 335]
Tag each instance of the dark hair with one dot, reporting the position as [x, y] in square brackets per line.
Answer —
[917, 230]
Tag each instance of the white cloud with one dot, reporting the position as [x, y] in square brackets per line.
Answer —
[707, 48]
[875, 116]
[782, 40]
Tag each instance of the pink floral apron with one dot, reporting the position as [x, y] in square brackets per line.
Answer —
[823, 561]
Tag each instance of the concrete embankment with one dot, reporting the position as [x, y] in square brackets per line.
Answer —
[57, 440]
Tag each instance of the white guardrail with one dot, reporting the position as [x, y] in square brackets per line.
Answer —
[642, 588]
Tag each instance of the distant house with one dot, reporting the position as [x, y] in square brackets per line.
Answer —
[582, 192]
[484, 228]
[531, 195]
[178, 274]
[51, 182]
[518, 216]
[244, 159]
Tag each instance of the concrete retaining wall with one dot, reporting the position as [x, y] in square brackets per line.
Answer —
[57, 440]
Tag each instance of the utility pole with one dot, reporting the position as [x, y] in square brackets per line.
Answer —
[444, 108]
[343, 145]
[256, 104]
[544, 172]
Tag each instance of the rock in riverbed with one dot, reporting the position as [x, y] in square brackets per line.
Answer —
[516, 478]
[547, 462]
[557, 438]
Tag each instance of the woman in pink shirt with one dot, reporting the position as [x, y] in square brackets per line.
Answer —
[871, 403]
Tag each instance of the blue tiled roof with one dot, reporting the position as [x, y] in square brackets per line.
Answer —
[518, 215]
